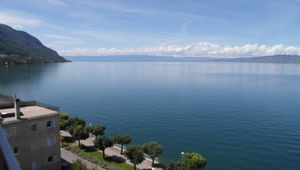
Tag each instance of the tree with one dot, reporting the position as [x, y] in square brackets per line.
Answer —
[153, 149]
[74, 121]
[135, 154]
[64, 116]
[79, 132]
[102, 143]
[193, 161]
[122, 140]
[90, 128]
[63, 121]
[98, 130]
[174, 166]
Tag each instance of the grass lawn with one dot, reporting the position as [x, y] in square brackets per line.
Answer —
[65, 143]
[98, 155]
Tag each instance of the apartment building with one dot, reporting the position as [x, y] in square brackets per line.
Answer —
[33, 134]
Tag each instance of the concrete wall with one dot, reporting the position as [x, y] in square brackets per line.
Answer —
[35, 146]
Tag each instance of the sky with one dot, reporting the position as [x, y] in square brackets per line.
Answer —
[179, 28]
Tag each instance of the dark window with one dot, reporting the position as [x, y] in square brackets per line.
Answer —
[50, 159]
[16, 151]
[49, 124]
[33, 127]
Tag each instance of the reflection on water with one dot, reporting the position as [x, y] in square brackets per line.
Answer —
[238, 115]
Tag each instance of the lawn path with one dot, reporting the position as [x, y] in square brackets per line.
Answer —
[71, 157]
[115, 151]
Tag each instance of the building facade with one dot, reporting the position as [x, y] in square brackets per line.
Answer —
[33, 134]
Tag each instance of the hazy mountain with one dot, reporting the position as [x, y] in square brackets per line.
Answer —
[266, 59]
[146, 58]
[17, 47]
[136, 58]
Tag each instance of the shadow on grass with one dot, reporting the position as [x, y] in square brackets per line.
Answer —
[88, 148]
[115, 158]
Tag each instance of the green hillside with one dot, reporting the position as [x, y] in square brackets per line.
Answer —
[19, 47]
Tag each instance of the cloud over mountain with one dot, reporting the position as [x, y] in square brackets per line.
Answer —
[202, 49]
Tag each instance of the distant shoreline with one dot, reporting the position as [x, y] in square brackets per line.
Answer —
[279, 59]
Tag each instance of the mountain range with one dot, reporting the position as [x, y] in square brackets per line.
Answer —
[19, 47]
[146, 58]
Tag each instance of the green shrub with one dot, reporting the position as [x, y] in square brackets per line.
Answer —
[90, 158]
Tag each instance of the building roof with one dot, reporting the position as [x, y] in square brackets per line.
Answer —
[65, 134]
[29, 112]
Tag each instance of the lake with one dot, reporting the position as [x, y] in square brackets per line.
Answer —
[237, 115]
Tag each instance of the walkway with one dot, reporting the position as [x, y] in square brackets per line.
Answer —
[71, 157]
[146, 164]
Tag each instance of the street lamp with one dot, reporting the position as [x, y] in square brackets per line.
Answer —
[182, 153]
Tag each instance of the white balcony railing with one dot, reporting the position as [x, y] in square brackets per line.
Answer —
[9, 156]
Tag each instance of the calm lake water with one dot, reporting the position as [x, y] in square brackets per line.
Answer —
[237, 115]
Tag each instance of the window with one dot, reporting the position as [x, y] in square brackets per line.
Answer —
[49, 142]
[33, 127]
[49, 124]
[50, 159]
[35, 165]
[16, 151]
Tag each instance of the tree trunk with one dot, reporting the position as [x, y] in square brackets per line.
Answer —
[79, 143]
[103, 153]
[121, 149]
[134, 166]
[153, 161]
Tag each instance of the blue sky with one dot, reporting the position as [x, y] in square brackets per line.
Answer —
[202, 28]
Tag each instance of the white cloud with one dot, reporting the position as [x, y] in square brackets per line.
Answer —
[18, 20]
[202, 49]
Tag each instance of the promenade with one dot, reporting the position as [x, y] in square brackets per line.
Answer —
[115, 151]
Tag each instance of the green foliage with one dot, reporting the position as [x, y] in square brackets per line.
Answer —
[122, 140]
[98, 130]
[126, 139]
[96, 158]
[79, 132]
[193, 161]
[153, 149]
[75, 121]
[18, 47]
[90, 128]
[117, 138]
[102, 143]
[63, 116]
[63, 121]
[63, 124]
[174, 166]
[66, 143]
[135, 154]
[79, 165]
